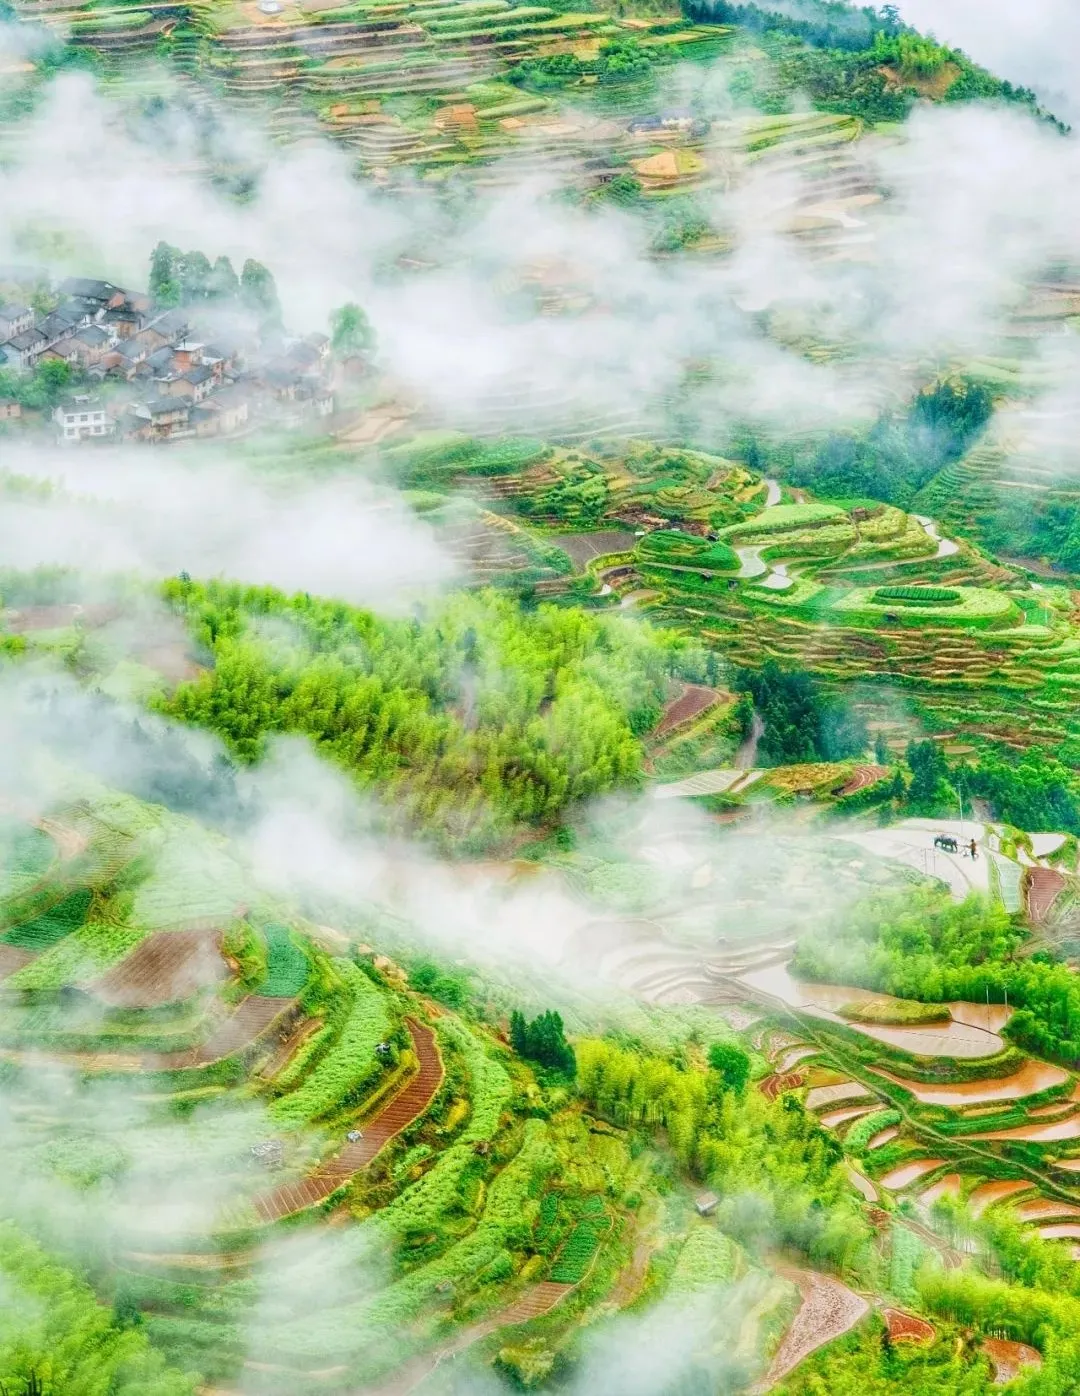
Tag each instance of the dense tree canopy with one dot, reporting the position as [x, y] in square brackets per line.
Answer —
[53, 1329]
[469, 719]
[802, 721]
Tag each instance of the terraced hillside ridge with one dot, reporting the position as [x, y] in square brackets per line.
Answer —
[398, 1113]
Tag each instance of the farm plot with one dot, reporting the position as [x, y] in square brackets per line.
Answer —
[828, 1310]
[51, 926]
[239, 1030]
[582, 548]
[396, 1115]
[997, 1190]
[286, 964]
[906, 1328]
[351, 1066]
[80, 957]
[1032, 1078]
[576, 1256]
[694, 700]
[908, 1173]
[167, 967]
[1009, 1358]
[26, 854]
[671, 548]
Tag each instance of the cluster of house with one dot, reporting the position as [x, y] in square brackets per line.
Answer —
[150, 374]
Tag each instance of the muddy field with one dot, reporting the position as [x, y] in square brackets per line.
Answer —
[829, 1309]
[583, 547]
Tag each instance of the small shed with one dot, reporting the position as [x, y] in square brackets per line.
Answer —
[706, 1204]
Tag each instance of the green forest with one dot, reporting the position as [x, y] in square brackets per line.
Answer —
[468, 720]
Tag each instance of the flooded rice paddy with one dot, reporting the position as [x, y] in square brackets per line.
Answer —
[908, 1173]
[962, 1038]
[1032, 1078]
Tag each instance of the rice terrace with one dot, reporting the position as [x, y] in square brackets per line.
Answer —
[539, 659]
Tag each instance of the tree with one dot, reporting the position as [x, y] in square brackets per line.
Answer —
[543, 1040]
[164, 282]
[881, 749]
[351, 333]
[929, 771]
[224, 284]
[258, 293]
[733, 1064]
[194, 273]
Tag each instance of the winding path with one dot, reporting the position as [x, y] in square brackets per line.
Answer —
[398, 1113]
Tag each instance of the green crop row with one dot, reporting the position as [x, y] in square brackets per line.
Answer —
[577, 1253]
[670, 547]
[350, 1067]
[507, 1221]
[862, 1131]
[194, 878]
[783, 517]
[919, 595]
[286, 964]
[27, 855]
[708, 1258]
[489, 1084]
[426, 1204]
[907, 1254]
[53, 925]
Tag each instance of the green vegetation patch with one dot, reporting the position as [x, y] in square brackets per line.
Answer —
[53, 925]
[579, 1250]
[351, 1066]
[862, 1131]
[977, 607]
[672, 548]
[919, 596]
[784, 517]
[901, 1012]
[78, 958]
[286, 964]
[708, 1259]
[26, 854]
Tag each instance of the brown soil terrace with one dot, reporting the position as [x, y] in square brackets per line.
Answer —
[694, 700]
[398, 1113]
[822, 1096]
[1009, 1358]
[909, 1173]
[1032, 1078]
[986, 1194]
[833, 1118]
[1044, 886]
[12, 959]
[906, 1328]
[772, 1086]
[947, 1186]
[244, 1026]
[862, 777]
[69, 842]
[829, 1309]
[167, 967]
